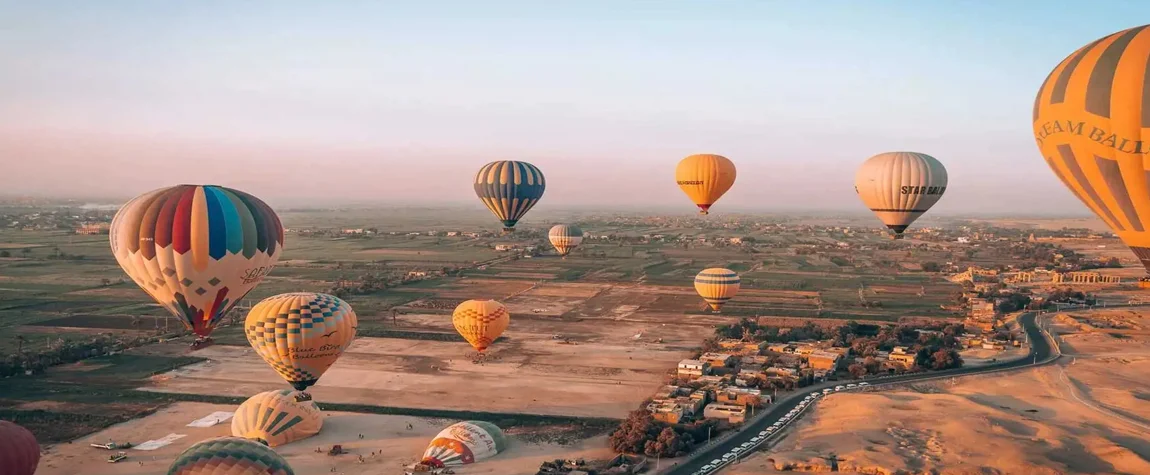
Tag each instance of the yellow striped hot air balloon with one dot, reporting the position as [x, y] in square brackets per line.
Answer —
[509, 189]
[900, 186]
[1092, 124]
[277, 418]
[565, 237]
[480, 322]
[717, 285]
[705, 178]
[300, 334]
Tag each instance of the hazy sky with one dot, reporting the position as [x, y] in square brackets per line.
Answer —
[401, 102]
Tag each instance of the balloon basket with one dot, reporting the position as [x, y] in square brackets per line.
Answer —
[302, 396]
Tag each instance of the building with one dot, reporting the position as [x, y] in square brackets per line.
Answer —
[902, 358]
[739, 396]
[740, 347]
[718, 359]
[750, 371]
[667, 411]
[755, 360]
[986, 345]
[693, 368]
[780, 348]
[1085, 278]
[781, 371]
[712, 380]
[981, 309]
[824, 360]
[734, 414]
[92, 228]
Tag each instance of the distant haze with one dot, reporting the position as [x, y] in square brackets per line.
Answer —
[400, 102]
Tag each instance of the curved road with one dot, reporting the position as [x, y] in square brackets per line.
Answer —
[1040, 353]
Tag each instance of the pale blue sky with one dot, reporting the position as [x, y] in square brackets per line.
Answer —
[403, 100]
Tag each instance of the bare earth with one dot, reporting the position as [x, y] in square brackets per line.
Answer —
[388, 436]
[604, 371]
[1085, 414]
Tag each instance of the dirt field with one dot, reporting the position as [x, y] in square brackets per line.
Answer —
[395, 445]
[604, 371]
[1085, 414]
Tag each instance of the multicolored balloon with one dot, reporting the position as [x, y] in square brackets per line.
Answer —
[229, 456]
[464, 443]
[480, 322]
[900, 186]
[301, 334]
[717, 285]
[19, 451]
[197, 250]
[277, 417]
[1092, 124]
[565, 237]
[705, 178]
[509, 189]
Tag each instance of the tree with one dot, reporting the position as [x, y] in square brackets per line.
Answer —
[946, 359]
[26, 251]
[857, 371]
[5, 254]
[931, 267]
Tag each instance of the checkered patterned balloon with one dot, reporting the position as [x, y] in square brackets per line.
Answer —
[229, 456]
[480, 322]
[301, 334]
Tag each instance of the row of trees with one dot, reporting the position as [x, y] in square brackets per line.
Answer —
[64, 351]
[641, 433]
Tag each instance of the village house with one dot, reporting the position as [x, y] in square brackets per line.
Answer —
[781, 371]
[824, 360]
[740, 396]
[750, 371]
[740, 347]
[693, 368]
[789, 361]
[755, 360]
[711, 380]
[734, 414]
[718, 359]
[780, 348]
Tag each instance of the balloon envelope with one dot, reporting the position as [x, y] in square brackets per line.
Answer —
[277, 418]
[300, 334]
[509, 189]
[1092, 124]
[197, 250]
[565, 237]
[229, 456]
[705, 178]
[717, 285]
[463, 443]
[480, 322]
[900, 186]
[19, 451]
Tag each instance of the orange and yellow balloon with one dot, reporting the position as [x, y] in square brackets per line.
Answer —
[197, 250]
[301, 334]
[1092, 124]
[480, 322]
[705, 178]
[717, 285]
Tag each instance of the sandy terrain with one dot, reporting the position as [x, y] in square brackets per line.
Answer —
[1085, 414]
[387, 435]
[604, 371]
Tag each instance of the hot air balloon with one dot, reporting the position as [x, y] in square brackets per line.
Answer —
[717, 285]
[463, 443]
[229, 456]
[1092, 124]
[704, 178]
[900, 186]
[480, 322]
[19, 452]
[197, 250]
[300, 334]
[565, 238]
[509, 189]
[277, 418]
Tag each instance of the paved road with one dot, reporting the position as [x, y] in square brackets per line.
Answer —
[1040, 352]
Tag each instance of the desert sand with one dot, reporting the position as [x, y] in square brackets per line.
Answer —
[388, 436]
[1084, 414]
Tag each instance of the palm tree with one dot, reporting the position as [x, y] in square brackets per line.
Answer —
[136, 324]
[20, 344]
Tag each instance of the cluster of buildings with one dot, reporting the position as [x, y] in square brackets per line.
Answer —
[724, 385]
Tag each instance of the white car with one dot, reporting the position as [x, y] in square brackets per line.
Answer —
[770, 429]
[756, 438]
[828, 391]
[763, 433]
[840, 387]
[715, 462]
[735, 451]
[705, 468]
[745, 445]
[852, 386]
[730, 455]
[813, 395]
[864, 384]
